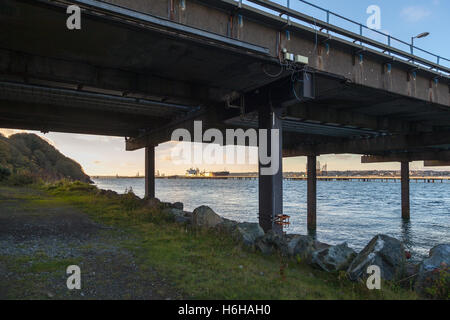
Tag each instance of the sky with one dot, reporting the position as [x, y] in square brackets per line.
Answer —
[400, 18]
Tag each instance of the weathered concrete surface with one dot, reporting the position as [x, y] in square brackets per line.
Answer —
[263, 29]
[141, 75]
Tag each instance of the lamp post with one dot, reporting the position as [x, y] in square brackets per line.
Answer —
[421, 35]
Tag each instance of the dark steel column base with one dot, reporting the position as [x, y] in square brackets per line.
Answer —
[150, 172]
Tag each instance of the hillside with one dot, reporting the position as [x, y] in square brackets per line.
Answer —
[29, 155]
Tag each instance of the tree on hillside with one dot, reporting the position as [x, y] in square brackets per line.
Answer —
[29, 154]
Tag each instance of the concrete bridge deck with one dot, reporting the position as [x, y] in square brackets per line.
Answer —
[140, 69]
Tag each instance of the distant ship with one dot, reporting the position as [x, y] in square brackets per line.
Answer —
[220, 174]
[197, 173]
[192, 172]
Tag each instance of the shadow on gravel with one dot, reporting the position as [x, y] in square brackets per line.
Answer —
[37, 244]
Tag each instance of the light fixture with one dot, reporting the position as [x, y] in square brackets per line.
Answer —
[420, 35]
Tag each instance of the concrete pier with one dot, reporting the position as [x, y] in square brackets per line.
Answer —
[405, 190]
[150, 172]
[312, 193]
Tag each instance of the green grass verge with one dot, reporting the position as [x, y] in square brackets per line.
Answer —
[205, 264]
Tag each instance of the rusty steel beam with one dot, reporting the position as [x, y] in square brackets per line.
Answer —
[437, 163]
[20, 66]
[312, 193]
[150, 172]
[209, 116]
[263, 29]
[270, 186]
[329, 115]
[427, 156]
[371, 145]
[64, 128]
[405, 190]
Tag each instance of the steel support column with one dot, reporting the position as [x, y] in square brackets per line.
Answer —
[270, 174]
[312, 193]
[150, 172]
[405, 190]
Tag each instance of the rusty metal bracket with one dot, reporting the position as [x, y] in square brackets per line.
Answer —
[360, 54]
[412, 73]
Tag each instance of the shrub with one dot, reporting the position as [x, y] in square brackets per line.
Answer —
[440, 285]
[21, 179]
[130, 201]
[80, 186]
[4, 173]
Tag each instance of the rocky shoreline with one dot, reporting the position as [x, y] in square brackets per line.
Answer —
[389, 254]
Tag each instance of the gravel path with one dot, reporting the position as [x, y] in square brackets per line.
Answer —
[37, 245]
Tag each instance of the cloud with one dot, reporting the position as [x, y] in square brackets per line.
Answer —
[93, 138]
[415, 13]
[9, 132]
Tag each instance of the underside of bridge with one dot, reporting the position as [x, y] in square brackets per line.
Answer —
[141, 69]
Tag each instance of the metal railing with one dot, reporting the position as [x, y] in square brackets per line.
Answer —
[386, 47]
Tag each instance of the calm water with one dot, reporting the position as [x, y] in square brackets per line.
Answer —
[346, 211]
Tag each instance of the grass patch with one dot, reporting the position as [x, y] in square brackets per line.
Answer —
[52, 265]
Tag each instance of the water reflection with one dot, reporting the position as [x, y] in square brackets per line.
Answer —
[352, 212]
[406, 233]
[312, 233]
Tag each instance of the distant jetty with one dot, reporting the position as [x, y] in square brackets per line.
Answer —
[427, 179]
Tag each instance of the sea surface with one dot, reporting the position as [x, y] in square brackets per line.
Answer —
[347, 211]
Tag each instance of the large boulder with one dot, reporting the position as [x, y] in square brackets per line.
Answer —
[292, 245]
[334, 258]
[178, 205]
[321, 245]
[270, 243]
[183, 219]
[227, 226]
[299, 246]
[383, 251]
[205, 217]
[152, 203]
[248, 233]
[173, 212]
[433, 269]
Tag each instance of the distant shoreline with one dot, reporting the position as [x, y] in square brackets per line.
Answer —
[430, 179]
[381, 174]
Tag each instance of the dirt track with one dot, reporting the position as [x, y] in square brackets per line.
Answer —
[38, 243]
